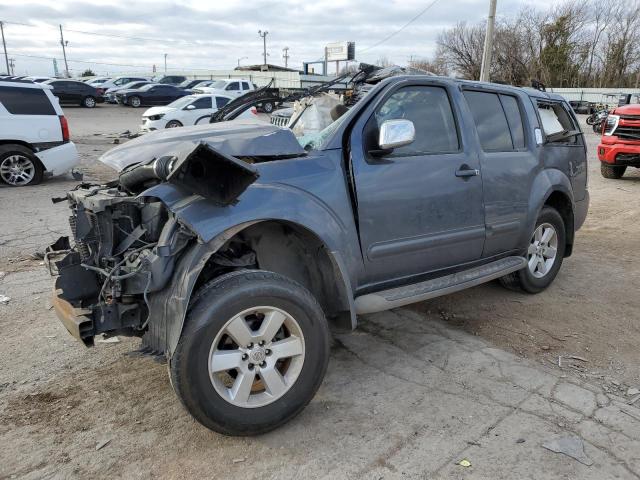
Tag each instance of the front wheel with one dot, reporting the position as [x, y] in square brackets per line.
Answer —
[267, 107]
[173, 124]
[544, 255]
[253, 352]
[612, 171]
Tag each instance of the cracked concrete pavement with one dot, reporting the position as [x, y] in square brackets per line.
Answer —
[407, 395]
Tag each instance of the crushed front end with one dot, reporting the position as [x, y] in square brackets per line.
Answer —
[125, 244]
[124, 249]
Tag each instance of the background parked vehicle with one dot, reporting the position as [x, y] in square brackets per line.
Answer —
[232, 87]
[119, 82]
[619, 146]
[582, 106]
[34, 135]
[189, 84]
[110, 94]
[72, 92]
[186, 111]
[96, 81]
[169, 79]
[38, 79]
[153, 94]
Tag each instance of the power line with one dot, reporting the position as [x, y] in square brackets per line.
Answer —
[393, 34]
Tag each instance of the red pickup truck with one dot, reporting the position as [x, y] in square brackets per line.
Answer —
[620, 143]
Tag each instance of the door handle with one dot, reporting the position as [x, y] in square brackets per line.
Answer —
[466, 171]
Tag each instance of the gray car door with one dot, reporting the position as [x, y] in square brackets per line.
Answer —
[509, 159]
[420, 206]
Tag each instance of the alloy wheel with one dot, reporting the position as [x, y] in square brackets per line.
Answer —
[17, 170]
[256, 357]
[542, 251]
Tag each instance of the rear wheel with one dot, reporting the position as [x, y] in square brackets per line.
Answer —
[612, 171]
[135, 102]
[267, 107]
[253, 352]
[19, 166]
[88, 102]
[544, 255]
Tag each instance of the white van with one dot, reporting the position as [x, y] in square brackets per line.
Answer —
[34, 134]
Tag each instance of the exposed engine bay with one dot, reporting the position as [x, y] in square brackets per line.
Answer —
[125, 245]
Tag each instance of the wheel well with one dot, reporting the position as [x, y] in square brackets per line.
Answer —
[292, 251]
[562, 204]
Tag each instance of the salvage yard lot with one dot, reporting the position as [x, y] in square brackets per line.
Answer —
[474, 375]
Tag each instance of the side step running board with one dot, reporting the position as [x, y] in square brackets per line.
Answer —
[400, 296]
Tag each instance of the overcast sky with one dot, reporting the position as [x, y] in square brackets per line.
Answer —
[206, 34]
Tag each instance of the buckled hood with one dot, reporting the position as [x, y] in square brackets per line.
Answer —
[238, 138]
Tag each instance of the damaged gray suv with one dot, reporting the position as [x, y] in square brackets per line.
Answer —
[231, 248]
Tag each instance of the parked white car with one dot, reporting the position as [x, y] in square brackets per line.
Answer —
[34, 134]
[233, 87]
[119, 82]
[96, 81]
[110, 94]
[186, 111]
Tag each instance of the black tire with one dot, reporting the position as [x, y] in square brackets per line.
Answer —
[134, 102]
[524, 280]
[614, 172]
[214, 304]
[89, 102]
[267, 107]
[173, 124]
[10, 150]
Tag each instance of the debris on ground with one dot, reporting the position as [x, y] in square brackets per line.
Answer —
[238, 460]
[520, 440]
[575, 357]
[633, 391]
[4, 299]
[464, 463]
[107, 340]
[102, 444]
[570, 445]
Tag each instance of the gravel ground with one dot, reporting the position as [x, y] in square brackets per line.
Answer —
[409, 394]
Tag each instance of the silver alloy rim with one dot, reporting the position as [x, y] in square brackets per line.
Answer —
[17, 170]
[256, 357]
[135, 102]
[543, 250]
[89, 102]
[173, 124]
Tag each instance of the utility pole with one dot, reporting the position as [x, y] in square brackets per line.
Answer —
[285, 55]
[488, 43]
[64, 53]
[12, 64]
[4, 44]
[264, 45]
[240, 59]
[165, 63]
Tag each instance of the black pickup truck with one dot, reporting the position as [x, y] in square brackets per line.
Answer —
[231, 248]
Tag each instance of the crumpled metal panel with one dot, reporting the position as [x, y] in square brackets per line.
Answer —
[239, 138]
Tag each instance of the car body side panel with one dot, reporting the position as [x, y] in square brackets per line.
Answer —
[295, 197]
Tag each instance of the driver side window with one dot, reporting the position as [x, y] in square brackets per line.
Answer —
[430, 111]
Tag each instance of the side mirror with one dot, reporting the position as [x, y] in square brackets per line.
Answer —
[190, 107]
[396, 133]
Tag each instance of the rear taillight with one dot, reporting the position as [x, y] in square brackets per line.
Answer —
[254, 110]
[64, 125]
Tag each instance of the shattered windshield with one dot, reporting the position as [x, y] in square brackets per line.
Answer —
[315, 141]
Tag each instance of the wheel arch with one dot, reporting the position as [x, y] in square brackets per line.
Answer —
[552, 188]
[310, 262]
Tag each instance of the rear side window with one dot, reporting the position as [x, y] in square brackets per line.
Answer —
[430, 111]
[514, 118]
[26, 101]
[233, 86]
[221, 101]
[245, 85]
[556, 122]
[491, 121]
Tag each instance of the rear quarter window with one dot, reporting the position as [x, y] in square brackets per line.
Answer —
[26, 101]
